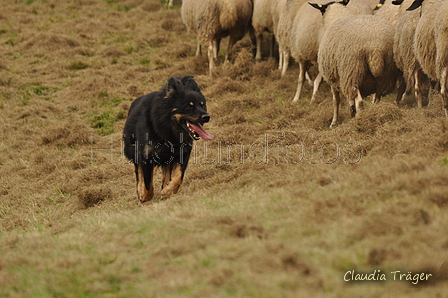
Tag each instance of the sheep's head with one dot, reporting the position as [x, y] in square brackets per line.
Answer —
[379, 5]
[323, 7]
[416, 4]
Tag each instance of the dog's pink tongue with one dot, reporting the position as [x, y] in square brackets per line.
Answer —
[201, 131]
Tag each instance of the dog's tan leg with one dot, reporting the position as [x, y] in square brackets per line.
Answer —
[166, 173]
[173, 185]
[143, 193]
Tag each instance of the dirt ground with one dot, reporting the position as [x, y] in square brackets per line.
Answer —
[281, 204]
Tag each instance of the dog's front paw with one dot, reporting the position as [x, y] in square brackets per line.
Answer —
[145, 195]
[166, 192]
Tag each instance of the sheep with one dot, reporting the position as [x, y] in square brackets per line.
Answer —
[388, 11]
[278, 10]
[358, 7]
[371, 3]
[431, 44]
[213, 20]
[286, 10]
[304, 41]
[404, 56]
[262, 20]
[305, 37]
[355, 56]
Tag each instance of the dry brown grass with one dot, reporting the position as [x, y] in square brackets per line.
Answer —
[278, 205]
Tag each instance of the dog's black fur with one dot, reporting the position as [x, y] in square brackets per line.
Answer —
[160, 130]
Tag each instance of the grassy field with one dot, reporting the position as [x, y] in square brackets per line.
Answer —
[277, 205]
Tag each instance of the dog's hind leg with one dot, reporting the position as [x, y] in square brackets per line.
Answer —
[145, 187]
[176, 180]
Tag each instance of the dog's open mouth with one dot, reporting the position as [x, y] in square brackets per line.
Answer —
[197, 131]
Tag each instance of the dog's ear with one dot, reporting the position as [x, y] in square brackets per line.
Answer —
[173, 87]
[190, 83]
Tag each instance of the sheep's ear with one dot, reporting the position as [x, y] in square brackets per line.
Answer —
[173, 87]
[321, 7]
[379, 5]
[416, 4]
[397, 2]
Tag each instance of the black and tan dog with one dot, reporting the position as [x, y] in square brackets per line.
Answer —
[160, 131]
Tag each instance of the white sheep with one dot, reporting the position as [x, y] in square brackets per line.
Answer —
[355, 56]
[304, 44]
[358, 7]
[213, 20]
[431, 44]
[262, 21]
[388, 11]
[404, 56]
[371, 3]
[286, 10]
[278, 8]
[306, 31]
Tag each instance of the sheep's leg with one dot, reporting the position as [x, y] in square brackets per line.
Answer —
[300, 81]
[280, 58]
[401, 90]
[376, 98]
[317, 82]
[444, 87]
[351, 103]
[259, 38]
[285, 62]
[308, 79]
[272, 45]
[198, 47]
[229, 48]
[211, 49]
[433, 87]
[216, 44]
[417, 91]
[359, 103]
[336, 104]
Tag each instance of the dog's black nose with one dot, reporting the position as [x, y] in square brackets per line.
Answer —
[205, 118]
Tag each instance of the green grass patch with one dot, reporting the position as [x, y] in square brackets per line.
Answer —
[124, 8]
[129, 48]
[104, 122]
[106, 114]
[77, 65]
[28, 91]
[104, 100]
[144, 61]
[10, 42]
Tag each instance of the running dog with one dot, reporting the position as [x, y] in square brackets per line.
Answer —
[160, 130]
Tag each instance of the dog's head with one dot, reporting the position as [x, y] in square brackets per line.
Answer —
[187, 106]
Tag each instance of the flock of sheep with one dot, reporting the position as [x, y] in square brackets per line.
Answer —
[361, 47]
